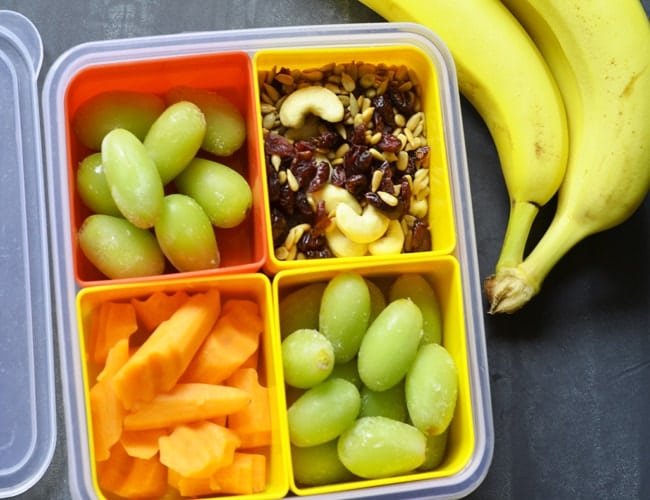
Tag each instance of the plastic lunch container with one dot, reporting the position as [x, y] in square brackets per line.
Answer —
[228, 62]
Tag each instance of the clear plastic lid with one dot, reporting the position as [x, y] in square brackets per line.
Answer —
[27, 396]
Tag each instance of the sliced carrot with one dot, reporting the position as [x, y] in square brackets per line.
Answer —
[106, 410]
[158, 364]
[197, 450]
[234, 338]
[246, 475]
[252, 361]
[142, 444]
[158, 307]
[220, 420]
[253, 423]
[190, 486]
[245, 310]
[186, 403]
[112, 321]
[131, 477]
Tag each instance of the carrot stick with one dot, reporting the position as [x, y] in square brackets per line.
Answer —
[157, 307]
[106, 410]
[252, 423]
[113, 321]
[131, 477]
[158, 364]
[233, 340]
[246, 475]
[191, 486]
[197, 450]
[142, 444]
[186, 403]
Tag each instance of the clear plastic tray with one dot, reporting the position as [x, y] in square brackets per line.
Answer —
[27, 405]
[251, 41]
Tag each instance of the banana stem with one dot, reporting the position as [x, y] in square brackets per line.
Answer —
[562, 235]
[512, 287]
[520, 221]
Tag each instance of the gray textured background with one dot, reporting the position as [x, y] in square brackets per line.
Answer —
[570, 374]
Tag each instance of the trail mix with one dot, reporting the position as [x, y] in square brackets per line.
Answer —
[375, 149]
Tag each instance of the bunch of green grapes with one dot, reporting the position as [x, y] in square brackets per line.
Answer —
[152, 198]
[371, 389]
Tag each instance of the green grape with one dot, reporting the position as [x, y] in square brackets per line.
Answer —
[389, 346]
[133, 111]
[222, 192]
[418, 289]
[381, 447]
[93, 188]
[390, 403]
[344, 314]
[431, 389]
[118, 248]
[318, 465]
[347, 371]
[225, 125]
[307, 358]
[323, 412]
[377, 300]
[185, 235]
[435, 453]
[132, 177]
[174, 138]
[299, 309]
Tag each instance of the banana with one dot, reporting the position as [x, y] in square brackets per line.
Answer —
[599, 52]
[503, 75]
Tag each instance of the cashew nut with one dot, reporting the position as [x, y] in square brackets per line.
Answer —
[341, 245]
[364, 228]
[391, 243]
[333, 196]
[314, 99]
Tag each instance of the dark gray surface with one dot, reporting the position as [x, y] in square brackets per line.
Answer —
[570, 373]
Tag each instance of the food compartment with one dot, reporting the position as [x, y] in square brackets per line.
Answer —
[359, 126]
[299, 294]
[241, 245]
[133, 358]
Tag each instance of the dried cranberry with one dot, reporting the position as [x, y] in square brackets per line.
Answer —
[358, 135]
[279, 226]
[303, 171]
[320, 178]
[389, 143]
[357, 185]
[273, 184]
[328, 140]
[321, 219]
[384, 114]
[338, 176]
[421, 237]
[287, 199]
[391, 212]
[276, 144]
[403, 101]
